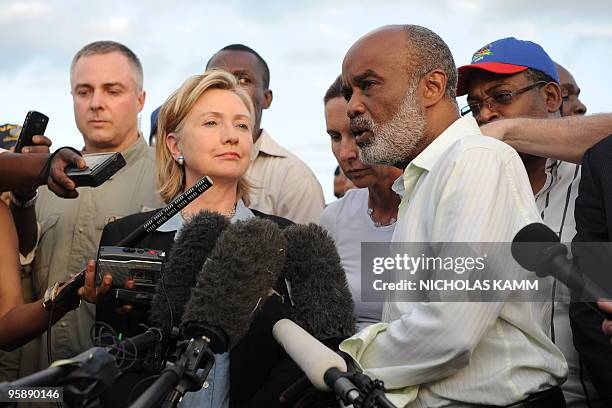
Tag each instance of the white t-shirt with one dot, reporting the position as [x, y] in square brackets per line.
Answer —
[348, 222]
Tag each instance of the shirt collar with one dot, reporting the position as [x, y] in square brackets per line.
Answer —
[266, 145]
[176, 223]
[136, 150]
[398, 186]
[465, 126]
[552, 177]
[242, 212]
[425, 161]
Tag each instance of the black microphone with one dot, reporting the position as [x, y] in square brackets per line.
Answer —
[157, 220]
[537, 248]
[169, 211]
[235, 282]
[321, 300]
[186, 258]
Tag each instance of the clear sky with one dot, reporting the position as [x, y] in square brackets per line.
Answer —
[302, 41]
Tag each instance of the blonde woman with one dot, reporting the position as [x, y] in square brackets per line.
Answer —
[205, 129]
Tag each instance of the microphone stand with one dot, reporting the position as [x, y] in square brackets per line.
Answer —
[357, 389]
[83, 377]
[87, 375]
[188, 373]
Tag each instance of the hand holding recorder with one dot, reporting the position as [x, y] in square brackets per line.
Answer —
[62, 171]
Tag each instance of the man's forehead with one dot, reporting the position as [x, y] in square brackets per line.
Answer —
[567, 79]
[482, 80]
[99, 69]
[236, 60]
[379, 52]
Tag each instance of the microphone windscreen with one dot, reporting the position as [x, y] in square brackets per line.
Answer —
[237, 279]
[195, 241]
[312, 356]
[321, 300]
[528, 256]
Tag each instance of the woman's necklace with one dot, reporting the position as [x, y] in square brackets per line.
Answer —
[187, 216]
[377, 224]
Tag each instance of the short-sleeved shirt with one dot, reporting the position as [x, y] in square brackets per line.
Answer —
[70, 232]
[283, 185]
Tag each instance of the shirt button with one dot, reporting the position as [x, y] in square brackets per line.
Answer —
[81, 230]
[205, 385]
[63, 324]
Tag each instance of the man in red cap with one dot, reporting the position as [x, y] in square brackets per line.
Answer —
[510, 78]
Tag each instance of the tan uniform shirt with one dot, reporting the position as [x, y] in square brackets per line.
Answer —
[69, 236]
[283, 185]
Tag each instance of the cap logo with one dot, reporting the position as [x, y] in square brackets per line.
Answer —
[481, 53]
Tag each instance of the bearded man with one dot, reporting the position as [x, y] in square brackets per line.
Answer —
[458, 186]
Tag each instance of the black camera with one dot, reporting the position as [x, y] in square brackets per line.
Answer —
[143, 266]
[100, 167]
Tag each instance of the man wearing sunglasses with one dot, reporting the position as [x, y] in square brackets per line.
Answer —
[510, 78]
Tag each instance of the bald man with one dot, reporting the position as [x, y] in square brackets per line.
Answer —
[570, 91]
[458, 186]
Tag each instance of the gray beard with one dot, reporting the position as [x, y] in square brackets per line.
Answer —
[395, 141]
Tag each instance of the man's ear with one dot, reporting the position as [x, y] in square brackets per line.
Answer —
[142, 95]
[267, 99]
[434, 84]
[552, 95]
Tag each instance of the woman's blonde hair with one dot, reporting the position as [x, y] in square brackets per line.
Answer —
[170, 176]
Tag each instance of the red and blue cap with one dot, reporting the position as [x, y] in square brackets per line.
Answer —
[507, 56]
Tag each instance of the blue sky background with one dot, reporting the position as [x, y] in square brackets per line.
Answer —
[303, 42]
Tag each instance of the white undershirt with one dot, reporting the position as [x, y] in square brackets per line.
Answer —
[348, 222]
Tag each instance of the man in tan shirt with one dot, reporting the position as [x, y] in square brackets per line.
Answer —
[283, 185]
[106, 84]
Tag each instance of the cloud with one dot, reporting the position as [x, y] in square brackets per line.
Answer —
[303, 42]
[20, 11]
[543, 10]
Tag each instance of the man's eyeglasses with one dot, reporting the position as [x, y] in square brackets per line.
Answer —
[496, 100]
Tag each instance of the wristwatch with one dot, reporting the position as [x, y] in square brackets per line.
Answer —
[24, 204]
[51, 294]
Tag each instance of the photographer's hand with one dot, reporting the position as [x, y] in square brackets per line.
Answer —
[57, 180]
[55, 177]
[90, 292]
[41, 145]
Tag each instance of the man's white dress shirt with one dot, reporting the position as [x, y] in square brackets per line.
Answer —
[462, 188]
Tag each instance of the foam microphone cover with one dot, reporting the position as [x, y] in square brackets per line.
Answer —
[236, 279]
[193, 245]
[322, 301]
